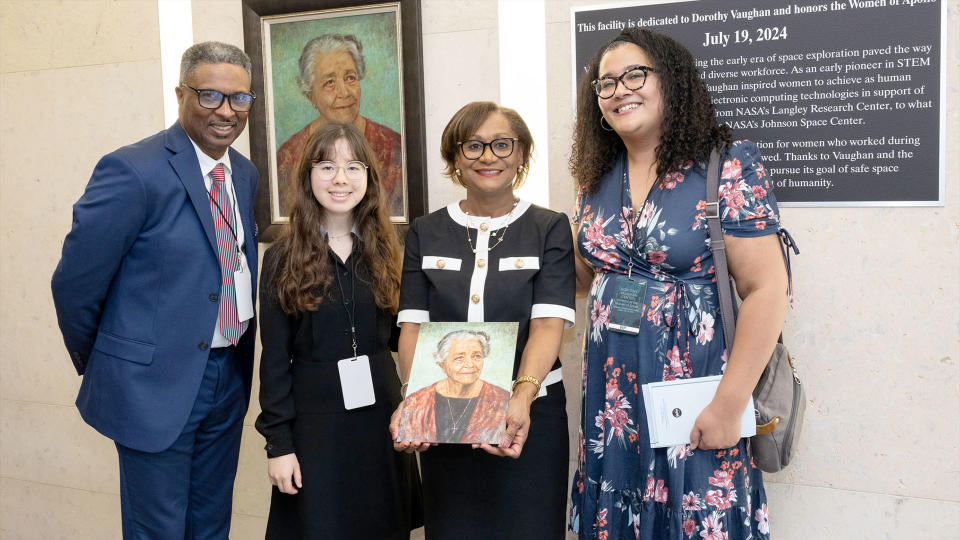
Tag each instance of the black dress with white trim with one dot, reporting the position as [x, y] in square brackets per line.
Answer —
[516, 267]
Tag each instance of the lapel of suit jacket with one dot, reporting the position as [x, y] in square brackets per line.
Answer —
[241, 186]
[184, 162]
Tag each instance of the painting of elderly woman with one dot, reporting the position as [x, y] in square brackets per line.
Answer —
[340, 67]
[468, 404]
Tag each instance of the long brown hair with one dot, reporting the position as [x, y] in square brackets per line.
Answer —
[304, 270]
[690, 128]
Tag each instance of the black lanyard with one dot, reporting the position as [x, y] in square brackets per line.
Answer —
[226, 222]
[633, 213]
[352, 311]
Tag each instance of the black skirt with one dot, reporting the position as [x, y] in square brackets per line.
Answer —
[355, 486]
[470, 494]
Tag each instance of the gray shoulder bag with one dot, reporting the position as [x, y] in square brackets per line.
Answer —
[779, 399]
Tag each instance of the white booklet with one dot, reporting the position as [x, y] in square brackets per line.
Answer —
[673, 406]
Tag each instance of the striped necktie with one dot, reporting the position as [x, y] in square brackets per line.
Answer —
[224, 223]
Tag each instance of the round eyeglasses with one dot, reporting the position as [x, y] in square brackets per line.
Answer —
[327, 170]
[502, 147]
[213, 99]
[632, 79]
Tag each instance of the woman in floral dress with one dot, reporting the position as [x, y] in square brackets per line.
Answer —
[645, 129]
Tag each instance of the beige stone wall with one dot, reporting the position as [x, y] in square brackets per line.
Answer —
[77, 80]
[875, 325]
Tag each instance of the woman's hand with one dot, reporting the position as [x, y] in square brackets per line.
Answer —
[403, 446]
[284, 472]
[518, 424]
[718, 426]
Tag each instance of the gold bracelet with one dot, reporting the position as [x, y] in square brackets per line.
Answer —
[526, 378]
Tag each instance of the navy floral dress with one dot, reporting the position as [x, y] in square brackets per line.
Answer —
[623, 488]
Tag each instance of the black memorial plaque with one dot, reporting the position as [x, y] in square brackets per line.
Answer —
[844, 98]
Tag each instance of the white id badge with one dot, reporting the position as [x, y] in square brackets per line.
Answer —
[356, 382]
[241, 282]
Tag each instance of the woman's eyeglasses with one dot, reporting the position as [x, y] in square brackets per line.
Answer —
[632, 79]
[502, 147]
[327, 170]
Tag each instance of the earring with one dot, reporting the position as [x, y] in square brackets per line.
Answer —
[457, 176]
[607, 127]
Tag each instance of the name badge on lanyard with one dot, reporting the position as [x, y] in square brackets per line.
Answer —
[626, 307]
[356, 379]
[356, 382]
[243, 285]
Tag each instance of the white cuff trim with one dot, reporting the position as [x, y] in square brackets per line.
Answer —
[418, 316]
[540, 311]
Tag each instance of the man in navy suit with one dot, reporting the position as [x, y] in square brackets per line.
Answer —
[154, 295]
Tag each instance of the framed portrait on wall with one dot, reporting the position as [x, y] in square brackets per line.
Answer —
[320, 61]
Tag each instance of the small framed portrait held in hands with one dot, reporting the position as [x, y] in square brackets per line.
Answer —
[459, 383]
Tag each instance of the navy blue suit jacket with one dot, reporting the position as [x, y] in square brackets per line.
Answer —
[138, 284]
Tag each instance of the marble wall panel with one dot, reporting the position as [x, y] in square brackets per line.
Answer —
[458, 16]
[51, 444]
[32, 510]
[799, 512]
[877, 362]
[51, 35]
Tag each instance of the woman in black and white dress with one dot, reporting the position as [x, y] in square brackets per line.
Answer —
[493, 257]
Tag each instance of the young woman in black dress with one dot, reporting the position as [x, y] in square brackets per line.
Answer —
[328, 294]
[493, 257]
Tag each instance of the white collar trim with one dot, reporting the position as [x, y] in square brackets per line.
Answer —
[474, 222]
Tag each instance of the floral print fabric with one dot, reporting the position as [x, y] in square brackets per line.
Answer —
[622, 487]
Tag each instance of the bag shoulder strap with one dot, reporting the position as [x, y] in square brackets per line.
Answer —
[719, 249]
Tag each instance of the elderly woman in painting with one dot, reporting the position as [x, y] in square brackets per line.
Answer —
[331, 68]
[462, 407]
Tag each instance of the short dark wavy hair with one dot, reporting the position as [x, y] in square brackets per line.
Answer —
[690, 128]
[467, 121]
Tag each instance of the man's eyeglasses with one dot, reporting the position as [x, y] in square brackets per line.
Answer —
[632, 79]
[327, 170]
[213, 99]
[502, 147]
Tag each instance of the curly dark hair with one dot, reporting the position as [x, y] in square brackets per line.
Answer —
[304, 273]
[690, 128]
